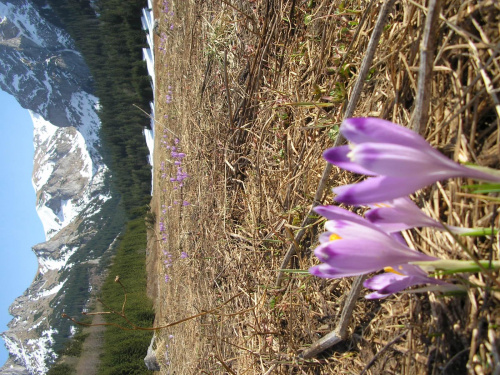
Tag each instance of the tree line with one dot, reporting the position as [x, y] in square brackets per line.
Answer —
[109, 35]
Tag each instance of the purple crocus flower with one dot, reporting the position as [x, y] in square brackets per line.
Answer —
[394, 281]
[401, 160]
[401, 214]
[354, 246]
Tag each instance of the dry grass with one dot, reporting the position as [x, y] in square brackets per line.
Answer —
[254, 160]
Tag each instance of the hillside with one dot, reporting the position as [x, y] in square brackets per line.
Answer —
[250, 94]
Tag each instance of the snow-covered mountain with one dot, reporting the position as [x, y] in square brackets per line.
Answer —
[42, 69]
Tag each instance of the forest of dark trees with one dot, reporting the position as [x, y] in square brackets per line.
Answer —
[109, 35]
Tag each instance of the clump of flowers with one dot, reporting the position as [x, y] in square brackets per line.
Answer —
[168, 97]
[177, 180]
[400, 162]
[168, 14]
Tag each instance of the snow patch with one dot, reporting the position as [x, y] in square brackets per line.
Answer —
[15, 82]
[23, 17]
[46, 263]
[51, 146]
[50, 291]
[33, 353]
[148, 55]
[37, 324]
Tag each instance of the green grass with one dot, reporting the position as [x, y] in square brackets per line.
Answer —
[124, 350]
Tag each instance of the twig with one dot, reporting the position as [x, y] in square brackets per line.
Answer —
[340, 331]
[137, 328]
[421, 111]
[152, 118]
[224, 364]
[227, 91]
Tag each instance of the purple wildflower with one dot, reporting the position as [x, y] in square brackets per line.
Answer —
[354, 246]
[394, 281]
[401, 214]
[184, 255]
[401, 160]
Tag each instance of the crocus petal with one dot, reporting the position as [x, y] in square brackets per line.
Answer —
[389, 283]
[346, 229]
[328, 272]
[338, 224]
[378, 282]
[395, 160]
[404, 161]
[338, 156]
[325, 237]
[369, 129]
[400, 214]
[389, 159]
[379, 189]
[360, 256]
[338, 213]
[398, 237]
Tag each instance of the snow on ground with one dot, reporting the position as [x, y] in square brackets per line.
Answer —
[86, 105]
[46, 263]
[50, 291]
[34, 352]
[149, 135]
[47, 138]
[148, 56]
[42, 131]
[27, 19]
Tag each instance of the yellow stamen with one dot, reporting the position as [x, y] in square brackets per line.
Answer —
[334, 237]
[350, 154]
[392, 270]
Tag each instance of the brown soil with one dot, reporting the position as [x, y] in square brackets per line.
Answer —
[258, 90]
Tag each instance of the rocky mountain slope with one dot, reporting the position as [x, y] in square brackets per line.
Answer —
[42, 69]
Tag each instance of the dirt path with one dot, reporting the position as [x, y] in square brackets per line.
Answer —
[88, 363]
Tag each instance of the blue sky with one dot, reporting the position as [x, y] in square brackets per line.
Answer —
[20, 227]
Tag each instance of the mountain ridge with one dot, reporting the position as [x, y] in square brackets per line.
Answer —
[43, 70]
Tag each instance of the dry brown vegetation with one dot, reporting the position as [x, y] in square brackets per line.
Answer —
[259, 89]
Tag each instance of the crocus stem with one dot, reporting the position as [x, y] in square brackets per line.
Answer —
[485, 271]
[457, 266]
